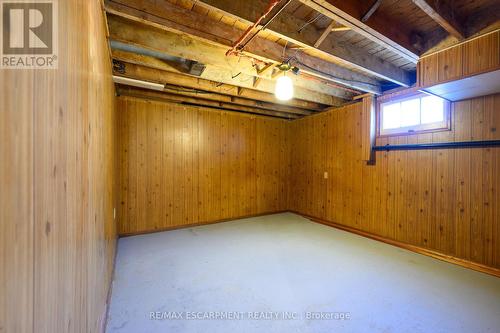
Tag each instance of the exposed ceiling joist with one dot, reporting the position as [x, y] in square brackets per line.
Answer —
[379, 29]
[146, 37]
[262, 99]
[178, 77]
[442, 12]
[235, 100]
[294, 30]
[172, 18]
[169, 97]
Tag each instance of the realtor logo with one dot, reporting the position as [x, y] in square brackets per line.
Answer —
[29, 34]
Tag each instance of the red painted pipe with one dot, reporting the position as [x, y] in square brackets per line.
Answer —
[270, 7]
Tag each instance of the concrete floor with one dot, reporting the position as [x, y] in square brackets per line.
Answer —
[285, 267]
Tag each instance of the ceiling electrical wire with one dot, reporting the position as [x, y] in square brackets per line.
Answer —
[311, 21]
[301, 64]
[264, 26]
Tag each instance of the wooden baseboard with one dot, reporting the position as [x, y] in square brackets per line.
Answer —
[197, 224]
[430, 253]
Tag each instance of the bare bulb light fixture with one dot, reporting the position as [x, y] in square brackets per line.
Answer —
[284, 84]
[284, 88]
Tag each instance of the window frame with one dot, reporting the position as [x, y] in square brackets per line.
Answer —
[445, 125]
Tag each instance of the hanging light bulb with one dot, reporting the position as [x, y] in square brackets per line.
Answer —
[284, 88]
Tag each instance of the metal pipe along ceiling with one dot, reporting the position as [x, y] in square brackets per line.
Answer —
[234, 48]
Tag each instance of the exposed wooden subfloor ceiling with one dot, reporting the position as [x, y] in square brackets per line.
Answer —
[342, 49]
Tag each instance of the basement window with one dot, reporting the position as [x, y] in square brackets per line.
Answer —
[413, 114]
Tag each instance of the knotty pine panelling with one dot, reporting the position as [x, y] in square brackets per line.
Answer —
[16, 202]
[443, 200]
[182, 165]
[57, 232]
[475, 56]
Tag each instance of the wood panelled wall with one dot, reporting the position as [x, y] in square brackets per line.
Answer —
[182, 165]
[478, 55]
[57, 153]
[444, 200]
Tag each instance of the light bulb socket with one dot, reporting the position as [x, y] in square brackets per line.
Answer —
[285, 66]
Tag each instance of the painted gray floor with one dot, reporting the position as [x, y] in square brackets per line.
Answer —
[289, 266]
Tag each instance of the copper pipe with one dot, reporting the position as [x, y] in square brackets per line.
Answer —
[234, 48]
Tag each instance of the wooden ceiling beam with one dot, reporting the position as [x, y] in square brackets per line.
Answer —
[177, 98]
[262, 93]
[143, 37]
[238, 95]
[189, 22]
[443, 14]
[169, 17]
[197, 93]
[379, 29]
[295, 30]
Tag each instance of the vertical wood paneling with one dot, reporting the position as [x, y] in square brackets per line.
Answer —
[443, 200]
[476, 56]
[16, 202]
[477, 202]
[209, 166]
[187, 165]
[482, 54]
[462, 129]
[400, 222]
[428, 73]
[74, 123]
[58, 167]
[168, 176]
[270, 161]
[450, 64]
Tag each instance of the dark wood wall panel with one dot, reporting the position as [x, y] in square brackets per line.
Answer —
[442, 200]
[182, 165]
[58, 160]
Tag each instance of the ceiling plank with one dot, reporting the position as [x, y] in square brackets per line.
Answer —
[442, 12]
[295, 30]
[170, 97]
[142, 71]
[140, 36]
[380, 29]
[178, 20]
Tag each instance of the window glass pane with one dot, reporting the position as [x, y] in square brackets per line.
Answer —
[390, 114]
[432, 109]
[410, 112]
